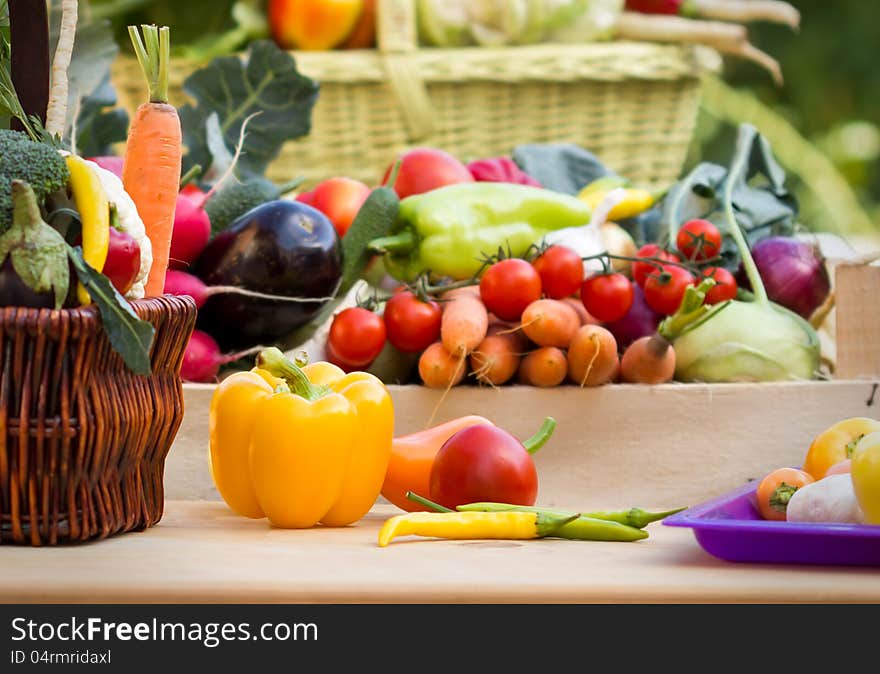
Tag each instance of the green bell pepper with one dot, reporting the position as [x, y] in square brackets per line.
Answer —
[450, 230]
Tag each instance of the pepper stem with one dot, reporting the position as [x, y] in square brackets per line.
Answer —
[397, 243]
[547, 524]
[412, 496]
[275, 362]
[539, 439]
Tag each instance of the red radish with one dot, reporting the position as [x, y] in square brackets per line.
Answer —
[202, 358]
[110, 163]
[183, 283]
[192, 228]
[123, 260]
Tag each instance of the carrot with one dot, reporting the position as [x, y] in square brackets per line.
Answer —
[496, 359]
[508, 329]
[727, 38]
[592, 357]
[550, 323]
[544, 367]
[464, 324]
[449, 295]
[648, 360]
[56, 111]
[151, 168]
[439, 369]
[579, 308]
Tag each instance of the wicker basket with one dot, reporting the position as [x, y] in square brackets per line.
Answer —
[633, 104]
[83, 441]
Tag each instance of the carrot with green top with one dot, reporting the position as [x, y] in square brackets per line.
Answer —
[151, 169]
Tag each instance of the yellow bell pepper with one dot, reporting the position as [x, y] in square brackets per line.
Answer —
[94, 212]
[865, 471]
[310, 447]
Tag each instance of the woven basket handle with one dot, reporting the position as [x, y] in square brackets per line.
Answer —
[397, 39]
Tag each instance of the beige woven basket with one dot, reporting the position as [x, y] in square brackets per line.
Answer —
[633, 104]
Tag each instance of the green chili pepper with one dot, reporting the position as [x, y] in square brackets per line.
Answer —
[450, 231]
[583, 528]
[634, 517]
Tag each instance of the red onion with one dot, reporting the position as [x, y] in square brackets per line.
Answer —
[793, 272]
[639, 321]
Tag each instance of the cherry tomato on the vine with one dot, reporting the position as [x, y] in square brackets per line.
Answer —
[412, 325]
[641, 270]
[357, 336]
[508, 287]
[665, 290]
[725, 285]
[698, 240]
[607, 296]
[561, 270]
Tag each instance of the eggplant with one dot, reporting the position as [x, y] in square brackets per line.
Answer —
[282, 248]
[14, 293]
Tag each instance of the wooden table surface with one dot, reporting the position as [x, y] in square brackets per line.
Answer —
[201, 553]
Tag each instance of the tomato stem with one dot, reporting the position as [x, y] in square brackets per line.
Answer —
[412, 496]
[539, 439]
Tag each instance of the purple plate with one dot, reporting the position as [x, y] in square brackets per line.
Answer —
[730, 527]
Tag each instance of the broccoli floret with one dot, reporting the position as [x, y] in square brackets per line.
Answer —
[35, 163]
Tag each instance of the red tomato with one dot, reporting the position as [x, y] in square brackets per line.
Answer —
[641, 270]
[561, 270]
[698, 240]
[664, 291]
[340, 199]
[357, 336]
[725, 288]
[306, 197]
[483, 463]
[607, 296]
[508, 287]
[412, 325]
[424, 169]
[123, 260]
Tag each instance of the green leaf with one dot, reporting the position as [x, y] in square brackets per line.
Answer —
[562, 167]
[38, 252]
[129, 336]
[266, 82]
[763, 205]
[100, 124]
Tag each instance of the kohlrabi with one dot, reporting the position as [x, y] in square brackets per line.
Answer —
[737, 340]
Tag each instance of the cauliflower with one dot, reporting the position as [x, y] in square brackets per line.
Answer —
[130, 223]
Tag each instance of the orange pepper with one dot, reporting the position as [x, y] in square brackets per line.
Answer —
[412, 456]
[313, 24]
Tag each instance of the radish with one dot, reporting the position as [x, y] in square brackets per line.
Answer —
[202, 358]
[179, 282]
[192, 228]
[111, 163]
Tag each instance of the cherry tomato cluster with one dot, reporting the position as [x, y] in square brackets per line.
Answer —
[665, 276]
[358, 335]
[412, 322]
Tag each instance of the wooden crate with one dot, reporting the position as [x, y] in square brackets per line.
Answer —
[620, 444]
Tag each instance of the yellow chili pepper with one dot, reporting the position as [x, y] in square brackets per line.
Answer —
[865, 469]
[300, 445]
[635, 202]
[94, 212]
[471, 525]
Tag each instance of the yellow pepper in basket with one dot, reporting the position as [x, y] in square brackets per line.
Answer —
[635, 201]
[300, 445]
[94, 212]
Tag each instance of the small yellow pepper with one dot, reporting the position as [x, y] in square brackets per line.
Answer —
[300, 445]
[635, 201]
[837, 443]
[94, 212]
[470, 525]
[865, 471]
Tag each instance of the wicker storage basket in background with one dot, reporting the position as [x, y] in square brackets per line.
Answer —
[633, 104]
[83, 441]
